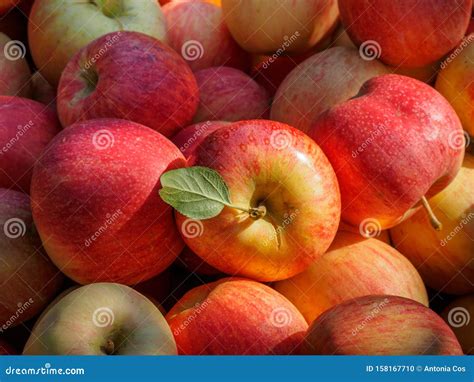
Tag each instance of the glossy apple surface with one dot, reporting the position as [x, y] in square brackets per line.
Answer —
[380, 325]
[137, 78]
[393, 143]
[96, 205]
[273, 165]
[235, 316]
[101, 319]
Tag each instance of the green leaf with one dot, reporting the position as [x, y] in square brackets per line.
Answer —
[196, 192]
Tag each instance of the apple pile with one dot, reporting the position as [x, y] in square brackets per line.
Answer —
[236, 177]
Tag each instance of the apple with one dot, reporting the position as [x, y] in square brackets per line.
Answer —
[190, 137]
[288, 26]
[6, 5]
[391, 145]
[320, 82]
[14, 70]
[380, 325]
[42, 91]
[229, 94]
[352, 267]
[235, 316]
[278, 170]
[444, 258]
[406, 33]
[96, 205]
[196, 30]
[459, 315]
[136, 78]
[455, 82]
[26, 127]
[6, 348]
[57, 29]
[28, 278]
[101, 319]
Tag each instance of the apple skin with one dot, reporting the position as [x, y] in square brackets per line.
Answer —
[261, 27]
[380, 325]
[456, 82]
[459, 315]
[194, 264]
[105, 173]
[365, 138]
[444, 258]
[352, 267]
[6, 5]
[137, 78]
[14, 70]
[85, 319]
[26, 127]
[42, 91]
[305, 202]
[189, 138]
[338, 73]
[197, 31]
[56, 28]
[228, 94]
[29, 280]
[7, 349]
[410, 34]
[235, 316]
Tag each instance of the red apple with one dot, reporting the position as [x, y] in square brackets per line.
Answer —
[6, 5]
[320, 82]
[58, 29]
[352, 267]
[196, 30]
[459, 315]
[136, 78]
[393, 143]
[380, 325]
[14, 70]
[28, 278]
[228, 94]
[101, 319]
[42, 91]
[406, 33]
[444, 258]
[26, 127]
[288, 26]
[6, 348]
[96, 204]
[276, 168]
[189, 138]
[235, 316]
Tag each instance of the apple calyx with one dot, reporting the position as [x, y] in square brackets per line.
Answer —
[109, 347]
[200, 193]
[435, 223]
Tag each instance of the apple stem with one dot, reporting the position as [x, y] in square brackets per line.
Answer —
[254, 212]
[435, 223]
[109, 347]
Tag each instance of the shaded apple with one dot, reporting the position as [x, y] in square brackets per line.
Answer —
[14, 70]
[380, 325]
[235, 316]
[96, 205]
[6, 348]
